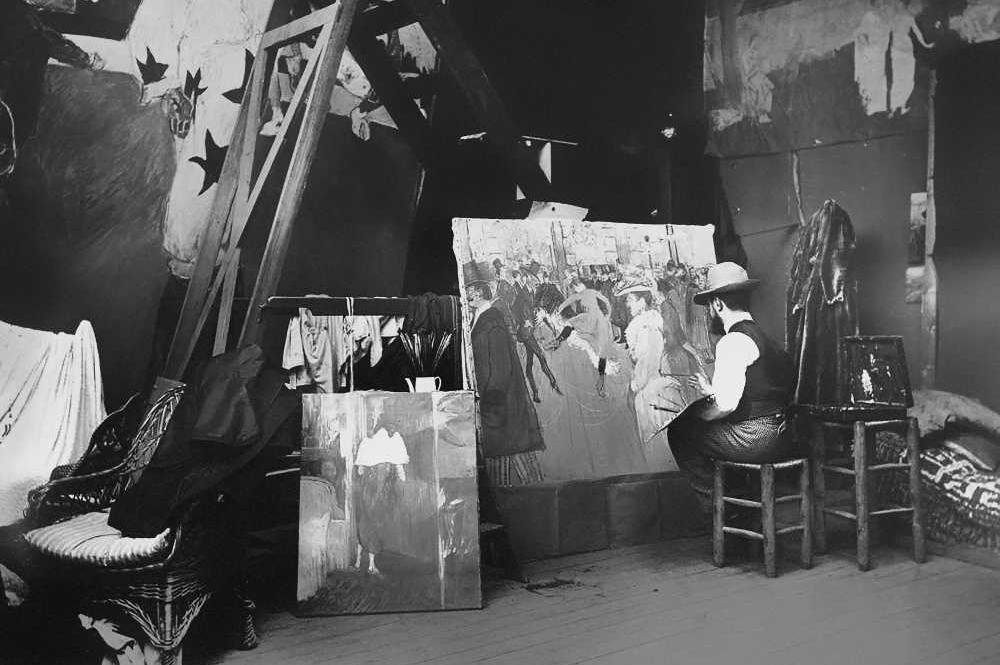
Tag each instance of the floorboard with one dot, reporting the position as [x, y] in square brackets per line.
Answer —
[666, 603]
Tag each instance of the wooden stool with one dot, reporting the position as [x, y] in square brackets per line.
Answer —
[861, 471]
[769, 532]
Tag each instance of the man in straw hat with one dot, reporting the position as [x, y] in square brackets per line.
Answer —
[512, 437]
[743, 418]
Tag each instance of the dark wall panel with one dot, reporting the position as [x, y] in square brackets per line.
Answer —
[873, 182]
[82, 236]
[967, 167]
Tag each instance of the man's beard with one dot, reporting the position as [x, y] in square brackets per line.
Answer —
[715, 325]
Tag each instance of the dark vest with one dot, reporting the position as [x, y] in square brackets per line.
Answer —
[769, 379]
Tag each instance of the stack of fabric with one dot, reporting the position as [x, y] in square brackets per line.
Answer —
[51, 399]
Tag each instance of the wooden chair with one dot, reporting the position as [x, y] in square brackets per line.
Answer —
[766, 504]
[874, 394]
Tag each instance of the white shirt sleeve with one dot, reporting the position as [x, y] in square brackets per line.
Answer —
[733, 354]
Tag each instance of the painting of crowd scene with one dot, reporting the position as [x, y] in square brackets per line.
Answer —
[599, 321]
[388, 503]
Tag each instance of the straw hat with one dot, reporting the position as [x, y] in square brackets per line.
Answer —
[725, 278]
[634, 284]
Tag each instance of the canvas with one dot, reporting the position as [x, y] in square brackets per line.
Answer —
[388, 517]
[582, 340]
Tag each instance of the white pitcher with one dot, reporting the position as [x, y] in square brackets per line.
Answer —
[424, 384]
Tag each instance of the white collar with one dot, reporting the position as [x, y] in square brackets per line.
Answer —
[739, 318]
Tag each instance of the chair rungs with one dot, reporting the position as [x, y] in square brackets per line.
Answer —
[788, 497]
[899, 510]
[843, 470]
[892, 465]
[790, 529]
[896, 510]
[840, 513]
[742, 502]
[743, 532]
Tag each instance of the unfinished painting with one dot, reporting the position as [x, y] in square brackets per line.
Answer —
[581, 339]
[388, 519]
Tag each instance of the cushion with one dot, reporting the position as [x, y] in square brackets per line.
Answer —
[88, 539]
[981, 450]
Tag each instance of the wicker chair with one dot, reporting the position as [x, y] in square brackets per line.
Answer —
[162, 596]
[80, 487]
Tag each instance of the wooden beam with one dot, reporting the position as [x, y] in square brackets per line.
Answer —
[294, 31]
[380, 19]
[273, 260]
[186, 333]
[928, 302]
[226, 305]
[486, 104]
[378, 67]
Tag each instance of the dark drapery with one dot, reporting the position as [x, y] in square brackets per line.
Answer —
[821, 305]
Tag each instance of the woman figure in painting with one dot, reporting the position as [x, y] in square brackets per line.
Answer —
[591, 322]
[381, 463]
[656, 398]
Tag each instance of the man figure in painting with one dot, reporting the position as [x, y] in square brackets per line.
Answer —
[743, 418]
[381, 463]
[523, 311]
[512, 437]
[504, 294]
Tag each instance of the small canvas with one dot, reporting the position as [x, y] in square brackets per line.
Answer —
[388, 516]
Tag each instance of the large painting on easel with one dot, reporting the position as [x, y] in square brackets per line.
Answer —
[581, 338]
[388, 516]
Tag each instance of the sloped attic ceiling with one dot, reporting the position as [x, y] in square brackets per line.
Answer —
[109, 19]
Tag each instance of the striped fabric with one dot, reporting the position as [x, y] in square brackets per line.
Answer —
[88, 539]
[518, 469]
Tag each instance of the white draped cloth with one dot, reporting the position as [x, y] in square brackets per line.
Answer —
[51, 400]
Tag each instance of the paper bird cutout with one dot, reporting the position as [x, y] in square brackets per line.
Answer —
[211, 162]
[151, 70]
[192, 86]
[236, 94]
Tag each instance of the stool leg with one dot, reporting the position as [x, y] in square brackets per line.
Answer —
[805, 489]
[767, 515]
[913, 452]
[719, 517]
[819, 485]
[861, 493]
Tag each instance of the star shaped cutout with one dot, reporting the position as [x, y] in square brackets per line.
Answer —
[192, 86]
[236, 94]
[211, 162]
[151, 70]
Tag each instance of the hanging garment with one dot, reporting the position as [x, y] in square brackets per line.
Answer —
[51, 399]
[233, 409]
[821, 304]
[319, 349]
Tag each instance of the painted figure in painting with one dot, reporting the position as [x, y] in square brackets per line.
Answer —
[512, 438]
[523, 312]
[743, 419]
[644, 337]
[381, 462]
[591, 321]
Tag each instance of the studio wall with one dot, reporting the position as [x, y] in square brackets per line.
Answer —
[872, 181]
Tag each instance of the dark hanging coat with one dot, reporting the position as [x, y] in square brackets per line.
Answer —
[227, 415]
[821, 303]
[510, 424]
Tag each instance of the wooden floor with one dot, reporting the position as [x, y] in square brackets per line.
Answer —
[666, 603]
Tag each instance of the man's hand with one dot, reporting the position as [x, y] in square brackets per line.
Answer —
[701, 383]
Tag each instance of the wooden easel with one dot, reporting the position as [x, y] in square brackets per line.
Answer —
[347, 24]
